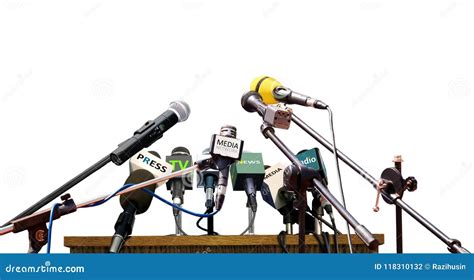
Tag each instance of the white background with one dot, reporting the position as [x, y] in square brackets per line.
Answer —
[77, 78]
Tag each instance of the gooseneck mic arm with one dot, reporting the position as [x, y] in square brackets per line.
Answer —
[454, 245]
[360, 230]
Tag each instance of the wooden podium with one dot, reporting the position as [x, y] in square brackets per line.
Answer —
[210, 244]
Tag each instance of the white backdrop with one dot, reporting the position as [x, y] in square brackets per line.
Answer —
[76, 78]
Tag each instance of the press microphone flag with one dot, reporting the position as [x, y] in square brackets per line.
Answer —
[273, 183]
[311, 158]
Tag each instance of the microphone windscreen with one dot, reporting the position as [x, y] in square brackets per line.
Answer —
[265, 86]
[181, 109]
[140, 199]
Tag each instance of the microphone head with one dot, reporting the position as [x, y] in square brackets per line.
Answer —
[181, 109]
[140, 199]
[265, 86]
[244, 101]
[180, 159]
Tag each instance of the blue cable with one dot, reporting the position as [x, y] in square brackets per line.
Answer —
[53, 209]
[50, 230]
[109, 197]
[178, 207]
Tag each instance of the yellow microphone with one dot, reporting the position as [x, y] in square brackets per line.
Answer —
[265, 86]
[272, 92]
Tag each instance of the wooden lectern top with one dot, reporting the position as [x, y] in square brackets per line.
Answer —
[210, 244]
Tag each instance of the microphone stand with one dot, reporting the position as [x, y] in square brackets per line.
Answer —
[454, 245]
[59, 191]
[305, 179]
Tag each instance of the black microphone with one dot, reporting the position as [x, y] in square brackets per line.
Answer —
[208, 180]
[150, 132]
[247, 175]
[278, 115]
[179, 159]
[225, 149]
[133, 203]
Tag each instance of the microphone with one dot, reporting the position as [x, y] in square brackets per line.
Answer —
[225, 149]
[247, 175]
[208, 180]
[312, 158]
[179, 159]
[273, 92]
[150, 132]
[273, 190]
[151, 162]
[278, 116]
[133, 203]
[279, 195]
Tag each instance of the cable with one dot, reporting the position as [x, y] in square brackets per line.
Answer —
[250, 224]
[336, 242]
[339, 179]
[178, 207]
[50, 230]
[281, 240]
[320, 243]
[100, 202]
[209, 210]
[178, 226]
[325, 235]
[323, 220]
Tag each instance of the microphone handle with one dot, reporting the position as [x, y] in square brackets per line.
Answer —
[123, 228]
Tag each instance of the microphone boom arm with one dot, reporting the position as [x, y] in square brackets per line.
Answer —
[454, 245]
[361, 231]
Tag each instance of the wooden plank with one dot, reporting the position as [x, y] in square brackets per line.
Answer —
[205, 240]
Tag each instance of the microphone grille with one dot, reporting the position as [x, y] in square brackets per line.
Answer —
[180, 151]
[181, 109]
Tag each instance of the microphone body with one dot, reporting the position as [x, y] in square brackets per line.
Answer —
[225, 149]
[312, 158]
[133, 203]
[247, 175]
[179, 159]
[150, 132]
[208, 180]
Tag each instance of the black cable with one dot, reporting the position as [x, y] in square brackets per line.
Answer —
[325, 235]
[198, 223]
[282, 241]
[324, 221]
[336, 242]
[322, 249]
